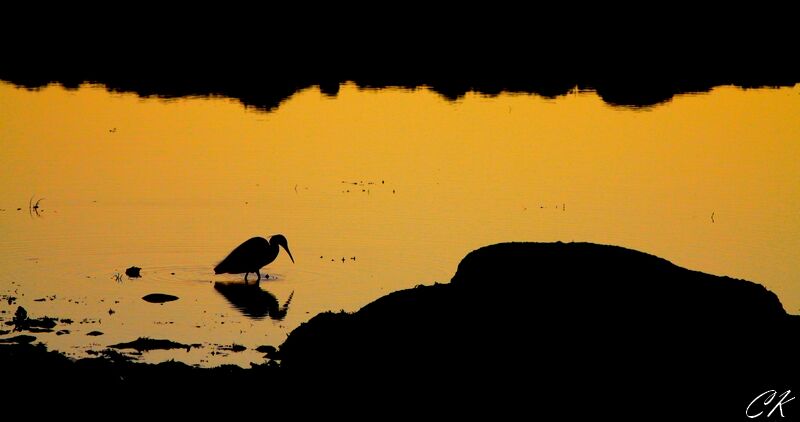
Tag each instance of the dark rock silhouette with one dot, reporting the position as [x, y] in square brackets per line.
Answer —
[143, 344]
[562, 318]
[133, 272]
[20, 339]
[159, 298]
[253, 301]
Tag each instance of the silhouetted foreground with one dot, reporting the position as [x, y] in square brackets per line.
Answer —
[567, 331]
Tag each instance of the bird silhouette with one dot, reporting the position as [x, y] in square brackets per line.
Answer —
[251, 255]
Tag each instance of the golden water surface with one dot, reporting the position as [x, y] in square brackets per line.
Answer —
[375, 190]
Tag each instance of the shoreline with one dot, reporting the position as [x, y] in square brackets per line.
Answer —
[245, 81]
[574, 314]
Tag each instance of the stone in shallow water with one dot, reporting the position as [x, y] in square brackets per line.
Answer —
[20, 339]
[159, 298]
[133, 272]
[94, 333]
[144, 344]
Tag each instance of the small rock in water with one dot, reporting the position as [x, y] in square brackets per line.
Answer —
[62, 332]
[133, 272]
[159, 298]
[94, 333]
[145, 344]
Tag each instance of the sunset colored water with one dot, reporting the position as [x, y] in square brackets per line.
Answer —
[375, 190]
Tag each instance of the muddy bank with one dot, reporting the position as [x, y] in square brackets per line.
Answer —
[547, 328]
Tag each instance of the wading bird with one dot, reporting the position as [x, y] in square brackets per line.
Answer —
[251, 255]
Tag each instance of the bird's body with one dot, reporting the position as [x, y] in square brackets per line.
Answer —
[252, 255]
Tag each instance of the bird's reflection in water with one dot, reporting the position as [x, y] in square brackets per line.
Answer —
[253, 301]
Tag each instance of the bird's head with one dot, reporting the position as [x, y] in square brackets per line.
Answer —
[279, 239]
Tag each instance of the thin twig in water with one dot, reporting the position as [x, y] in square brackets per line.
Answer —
[33, 207]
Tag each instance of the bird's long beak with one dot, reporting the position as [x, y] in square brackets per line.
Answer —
[289, 252]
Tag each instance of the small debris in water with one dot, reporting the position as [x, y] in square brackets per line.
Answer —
[234, 348]
[65, 321]
[94, 333]
[41, 299]
[111, 311]
[62, 332]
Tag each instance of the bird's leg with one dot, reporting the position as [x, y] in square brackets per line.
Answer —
[245, 278]
[258, 273]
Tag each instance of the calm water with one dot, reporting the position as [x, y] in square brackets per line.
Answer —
[376, 190]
